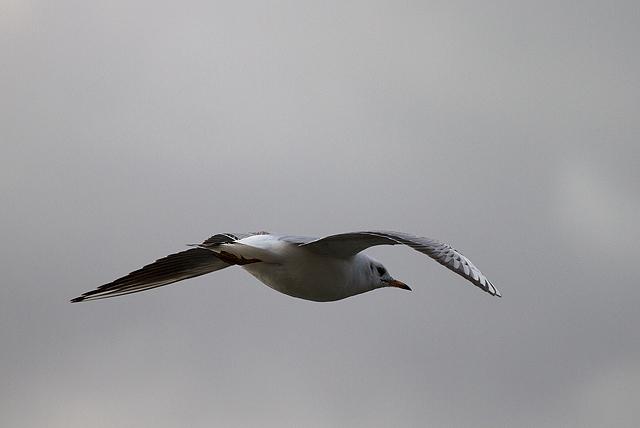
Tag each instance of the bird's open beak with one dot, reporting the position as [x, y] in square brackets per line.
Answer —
[398, 284]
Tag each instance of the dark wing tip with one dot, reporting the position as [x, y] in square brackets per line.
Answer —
[495, 293]
[491, 289]
[85, 296]
[90, 295]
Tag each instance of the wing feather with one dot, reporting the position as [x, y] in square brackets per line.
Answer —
[164, 271]
[169, 269]
[349, 244]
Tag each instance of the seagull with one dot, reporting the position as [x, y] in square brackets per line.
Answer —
[318, 269]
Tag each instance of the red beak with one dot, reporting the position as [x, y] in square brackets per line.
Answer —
[398, 284]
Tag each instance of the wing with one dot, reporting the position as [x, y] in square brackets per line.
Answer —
[297, 240]
[226, 238]
[170, 269]
[167, 270]
[349, 244]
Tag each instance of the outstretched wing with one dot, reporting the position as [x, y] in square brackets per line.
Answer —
[349, 244]
[167, 270]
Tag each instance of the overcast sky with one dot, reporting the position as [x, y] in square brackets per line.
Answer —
[130, 128]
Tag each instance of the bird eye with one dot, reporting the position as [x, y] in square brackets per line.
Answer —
[381, 270]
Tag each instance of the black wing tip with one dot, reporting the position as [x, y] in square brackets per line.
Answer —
[493, 290]
[87, 296]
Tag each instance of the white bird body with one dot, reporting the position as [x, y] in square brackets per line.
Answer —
[303, 274]
[317, 269]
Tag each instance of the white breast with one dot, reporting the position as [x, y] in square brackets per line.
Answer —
[298, 272]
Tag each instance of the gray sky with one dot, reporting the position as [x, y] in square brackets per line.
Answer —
[128, 129]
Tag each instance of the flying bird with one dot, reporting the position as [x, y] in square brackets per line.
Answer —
[318, 269]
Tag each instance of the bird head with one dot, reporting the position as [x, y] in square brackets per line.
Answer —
[382, 278]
